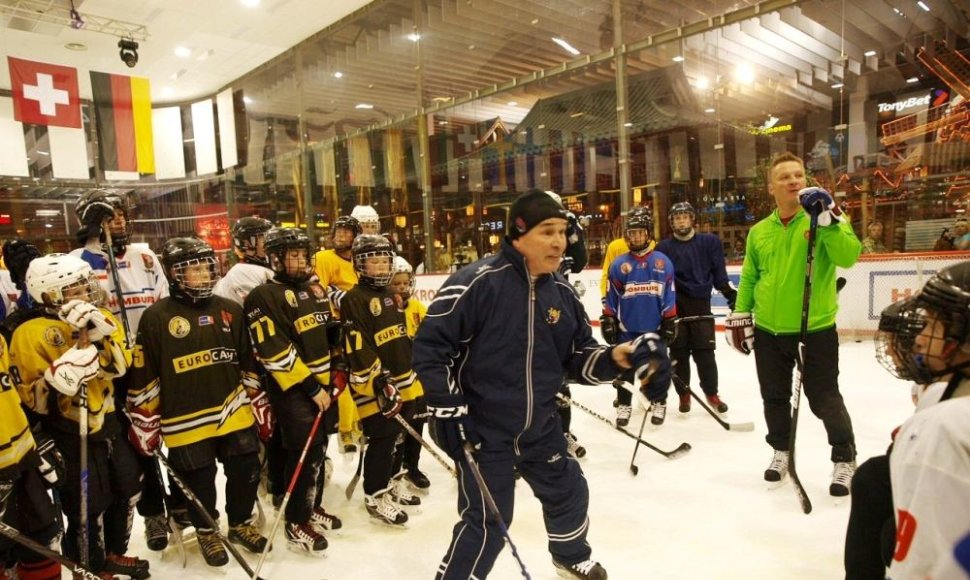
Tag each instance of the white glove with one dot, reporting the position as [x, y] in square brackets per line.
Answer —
[81, 314]
[739, 332]
[74, 368]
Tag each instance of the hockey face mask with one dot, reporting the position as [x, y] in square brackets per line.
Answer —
[197, 277]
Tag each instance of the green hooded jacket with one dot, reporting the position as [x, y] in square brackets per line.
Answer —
[773, 275]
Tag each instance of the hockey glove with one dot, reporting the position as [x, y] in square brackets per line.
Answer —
[17, 255]
[95, 214]
[72, 369]
[388, 396]
[52, 467]
[145, 432]
[610, 329]
[574, 230]
[339, 377]
[651, 361]
[739, 332]
[668, 330]
[819, 202]
[81, 314]
[450, 424]
[731, 295]
[263, 413]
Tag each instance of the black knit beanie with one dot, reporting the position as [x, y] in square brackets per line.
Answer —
[530, 209]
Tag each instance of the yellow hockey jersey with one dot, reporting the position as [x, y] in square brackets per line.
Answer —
[192, 366]
[414, 313]
[16, 440]
[36, 344]
[333, 270]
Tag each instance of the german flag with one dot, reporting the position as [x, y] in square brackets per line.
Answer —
[123, 109]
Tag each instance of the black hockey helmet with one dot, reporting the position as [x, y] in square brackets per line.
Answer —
[119, 201]
[680, 208]
[639, 218]
[245, 238]
[17, 255]
[373, 246]
[898, 326]
[349, 223]
[278, 242]
[181, 254]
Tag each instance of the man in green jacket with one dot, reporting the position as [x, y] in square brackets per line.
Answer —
[771, 289]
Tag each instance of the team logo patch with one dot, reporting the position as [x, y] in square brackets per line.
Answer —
[625, 268]
[227, 318]
[206, 320]
[375, 306]
[148, 261]
[388, 301]
[552, 316]
[658, 265]
[290, 298]
[179, 327]
[54, 337]
[318, 291]
[303, 295]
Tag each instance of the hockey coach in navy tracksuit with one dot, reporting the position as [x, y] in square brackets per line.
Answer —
[491, 354]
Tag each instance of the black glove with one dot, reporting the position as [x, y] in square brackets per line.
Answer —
[731, 295]
[17, 255]
[668, 330]
[651, 361]
[573, 229]
[610, 329]
[95, 214]
[388, 396]
[52, 467]
[449, 424]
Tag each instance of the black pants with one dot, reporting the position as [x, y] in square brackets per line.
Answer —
[31, 512]
[775, 359]
[870, 534]
[196, 465]
[382, 435]
[408, 450]
[564, 408]
[295, 414]
[695, 339]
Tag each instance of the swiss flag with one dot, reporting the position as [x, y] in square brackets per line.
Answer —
[45, 94]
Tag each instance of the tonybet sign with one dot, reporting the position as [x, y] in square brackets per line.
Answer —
[938, 97]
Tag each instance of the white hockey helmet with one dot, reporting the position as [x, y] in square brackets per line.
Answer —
[49, 277]
[401, 266]
[370, 222]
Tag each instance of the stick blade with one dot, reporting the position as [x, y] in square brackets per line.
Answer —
[749, 426]
[684, 449]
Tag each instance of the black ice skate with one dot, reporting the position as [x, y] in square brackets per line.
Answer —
[213, 552]
[587, 569]
[247, 535]
[134, 568]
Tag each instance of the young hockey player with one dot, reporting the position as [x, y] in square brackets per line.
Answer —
[699, 263]
[248, 238]
[191, 387]
[414, 410]
[26, 471]
[56, 373]
[142, 283]
[641, 300]
[335, 272]
[370, 222]
[289, 322]
[379, 352]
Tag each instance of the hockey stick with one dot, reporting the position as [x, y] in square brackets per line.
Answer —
[14, 535]
[634, 469]
[748, 426]
[84, 538]
[424, 443]
[800, 366]
[490, 504]
[286, 497]
[167, 501]
[352, 486]
[194, 499]
[119, 294]
[682, 449]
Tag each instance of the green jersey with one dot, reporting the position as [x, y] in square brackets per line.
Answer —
[773, 274]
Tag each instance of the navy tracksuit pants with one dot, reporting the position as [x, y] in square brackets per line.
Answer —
[556, 480]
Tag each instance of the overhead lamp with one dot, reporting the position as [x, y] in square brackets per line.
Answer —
[566, 46]
[912, 80]
[338, 75]
[128, 52]
[869, 53]
[838, 85]
[364, 106]
[414, 37]
[710, 110]
[922, 5]
[77, 23]
[512, 103]
[183, 52]
[702, 83]
[678, 58]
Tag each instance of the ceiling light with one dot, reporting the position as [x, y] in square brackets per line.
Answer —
[566, 46]
[744, 74]
[414, 37]
[897, 11]
[247, 100]
[627, 124]
[710, 110]
[678, 58]
[575, 115]
[182, 52]
[702, 83]
[250, 3]
[364, 106]
[76, 46]
[912, 80]
[512, 103]
[77, 23]
[128, 52]
[922, 5]
[838, 86]
[869, 53]
[338, 75]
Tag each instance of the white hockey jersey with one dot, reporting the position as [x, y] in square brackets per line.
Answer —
[140, 273]
[930, 472]
[240, 280]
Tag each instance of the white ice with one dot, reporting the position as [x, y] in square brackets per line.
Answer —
[705, 515]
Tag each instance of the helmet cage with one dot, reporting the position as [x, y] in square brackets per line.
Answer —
[178, 273]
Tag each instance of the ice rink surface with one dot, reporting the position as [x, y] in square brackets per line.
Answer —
[705, 515]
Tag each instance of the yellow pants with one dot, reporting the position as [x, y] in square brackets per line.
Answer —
[347, 413]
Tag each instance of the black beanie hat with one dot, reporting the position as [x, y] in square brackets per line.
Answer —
[530, 209]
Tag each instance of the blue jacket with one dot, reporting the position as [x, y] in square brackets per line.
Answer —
[699, 263]
[504, 344]
[642, 292]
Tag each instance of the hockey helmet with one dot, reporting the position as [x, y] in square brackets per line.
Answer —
[681, 208]
[246, 233]
[279, 242]
[370, 222]
[349, 223]
[370, 272]
[191, 267]
[55, 279]
[401, 266]
[119, 201]
[638, 219]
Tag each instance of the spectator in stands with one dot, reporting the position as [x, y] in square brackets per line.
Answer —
[738, 251]
[961, 234]
[872, 243]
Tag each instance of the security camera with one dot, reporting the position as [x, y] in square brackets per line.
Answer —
[128, 52]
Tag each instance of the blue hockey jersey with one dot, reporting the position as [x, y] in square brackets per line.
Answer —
[641, 292]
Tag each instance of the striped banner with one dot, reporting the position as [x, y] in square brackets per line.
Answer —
[124, 114]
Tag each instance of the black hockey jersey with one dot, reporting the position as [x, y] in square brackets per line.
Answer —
[377, 341]
[192, 366]
[288, 328]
